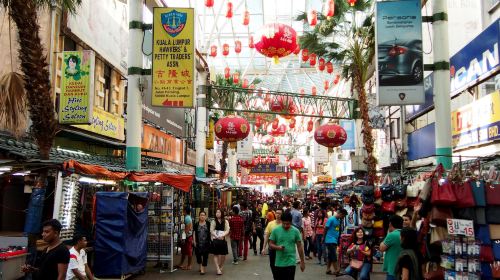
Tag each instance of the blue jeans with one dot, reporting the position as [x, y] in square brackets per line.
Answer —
[320, 247]
[364, 272]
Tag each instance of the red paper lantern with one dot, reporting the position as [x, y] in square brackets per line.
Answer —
[213, 51]
[326, 85]
[329, 67]
[229, 11]
[337, 78]
[321, 64]
[227, 73]
[276, 40]
[283, 104]
[292, 123]
[209, 3]
[329, 8]
[297, 50]
[258, 122]
[225, 49]
[232, 128]
[310, 125]
[314, 91]
[249, 163]
[276, 123]
[351, 2]
[280, 131]
[330, 135]
[305, 55]
[246, 18]
[296, 164]
[268, 140]
[245, 83]
[312, 17]
[312, 59]
[302, 91]
[250, 42]
[237, 46]
[276, 151]
[236, 77]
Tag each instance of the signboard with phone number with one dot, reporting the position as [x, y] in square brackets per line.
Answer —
[460, 227]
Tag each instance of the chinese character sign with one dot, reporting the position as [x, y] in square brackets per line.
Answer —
[77, 87]
[173, 57]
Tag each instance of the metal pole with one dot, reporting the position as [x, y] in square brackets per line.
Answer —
[135, 86]
[231, 166]
[201, 123]
[402, 132]
[442, 84]
[333, 163]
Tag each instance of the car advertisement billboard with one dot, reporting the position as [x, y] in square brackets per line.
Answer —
[400, 68]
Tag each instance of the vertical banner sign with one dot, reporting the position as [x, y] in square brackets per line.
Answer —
[209, 141]
[350, 128]
[173, 57]
[399, 53]
[245, 148]
[77, 87]
[320, 153]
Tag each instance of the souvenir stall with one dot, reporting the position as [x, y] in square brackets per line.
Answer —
[203, 196]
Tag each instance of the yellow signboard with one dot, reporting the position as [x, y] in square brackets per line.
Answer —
[173, 57]
[477, 122]
[209, 140]
[106, 124]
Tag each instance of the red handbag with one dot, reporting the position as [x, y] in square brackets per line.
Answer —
[377, 193]
[464, 194]
[486, 254]
[440, 214]
[492, 194]
[442, 191]
[368, 208]
[388, 206]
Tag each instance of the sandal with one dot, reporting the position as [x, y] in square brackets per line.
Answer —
[329, 272]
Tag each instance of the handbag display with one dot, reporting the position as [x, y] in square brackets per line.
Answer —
[464, 194]
[400, 191]
[493, 215]
[426, 189]
[486, 253]
[387, 189]
[388, 206]
[368, 199]
[377, 193]
[433, 271]
[368, 191]
[440, 214]
[438, 234]
[465, 213]
[478, 192]
[496, 249]
[494, 232]
[492, 194]
[442, 190]
[483, 234]
[480, 216]
[356, 264]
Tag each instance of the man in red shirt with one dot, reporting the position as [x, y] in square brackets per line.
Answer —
[236, 232]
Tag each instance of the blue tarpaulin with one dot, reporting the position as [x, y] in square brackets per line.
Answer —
[121, 233]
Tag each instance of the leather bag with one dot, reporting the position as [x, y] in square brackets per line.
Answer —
[387, 189]
[442, 190]
[400, 191]
[496, 249]
[438, 234]
[426, 190]
[479, 192]
[486, 254]
[483, 234]
[388, 206]
[493, 215]
[440, 214]
[493, 194]
[494, 232]
[464, 194]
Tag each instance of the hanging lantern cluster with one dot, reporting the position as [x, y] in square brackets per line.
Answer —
[351, 2]
[305, 55]
[329, 8]
[249, 163]
[326, 84]
[268, 140]
[310, 125]
[209, 3]
[279, 131]
[321, 64]
[227, 73]
[246, 18]
[237, 46]
[229, 10]
[312, 59]
[275, 123]
[330, 135]
[225, 49]
[276, 40]
[283, 104]
[292, 123]
[337, 79]
[258, 121]
[312, 17]
[296, 164]
[329, 67]
[213, 51]
[232, 129]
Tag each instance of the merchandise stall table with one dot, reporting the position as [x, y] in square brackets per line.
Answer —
[10, 262]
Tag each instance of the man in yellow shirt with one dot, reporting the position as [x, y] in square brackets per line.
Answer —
[267, 233]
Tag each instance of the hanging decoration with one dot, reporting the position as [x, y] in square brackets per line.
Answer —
[250, 42]
[245, 83]
[292, 123]
[297, 50]
[232, 129]
[329, 8]
[237, 46]
[312, 17]
[236, 77]
[329, 67]
[246, 18]
[227, 73]
[213, 51]
[258, 122]
[209, 3]
[249, 163]
[314, 91]
[326, 84]
[225, 49]
[312, 59]
[310, 125]
[280, 131]
[268, 140]
[296, 164]
[229, 11]
[276, 40]
[337, 79]
[305, 55]
[330, 135]
[302, 91]
[351, 2]
[275, 123]
[321, 64]
[283, 104]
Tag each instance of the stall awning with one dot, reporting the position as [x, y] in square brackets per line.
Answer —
[206, 180]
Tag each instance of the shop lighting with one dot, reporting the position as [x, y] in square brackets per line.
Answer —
[157, 183]
[96, 181]
[72, 151]
[22, 173]
[6, 168]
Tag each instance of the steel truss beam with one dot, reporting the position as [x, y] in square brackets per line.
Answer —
[229, 99]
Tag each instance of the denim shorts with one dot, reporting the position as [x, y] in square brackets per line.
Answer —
[332, 251]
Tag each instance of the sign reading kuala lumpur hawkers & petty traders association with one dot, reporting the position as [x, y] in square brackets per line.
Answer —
[173, 57]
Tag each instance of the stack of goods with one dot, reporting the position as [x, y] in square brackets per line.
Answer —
[69, 204]
[460, 258]
[368, 209]
[12, 251]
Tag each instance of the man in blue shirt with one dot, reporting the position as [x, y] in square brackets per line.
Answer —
[331, 239]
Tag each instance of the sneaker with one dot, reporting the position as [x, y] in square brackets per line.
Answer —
[235, 262]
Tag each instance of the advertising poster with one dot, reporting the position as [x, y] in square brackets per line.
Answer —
[477, 122]
[173, 57]
[399, 53]
[77, 87]
[106, 124]
[350, 128]
[320, 153]
[158, 144]
[245, 147]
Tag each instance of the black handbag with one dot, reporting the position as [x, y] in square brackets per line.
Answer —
[480, 216]
[368, 191]
[493, 214]
[368, 199]
[387, 192]
[465, 213]
[400, 192]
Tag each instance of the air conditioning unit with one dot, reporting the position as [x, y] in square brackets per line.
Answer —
[357, 163]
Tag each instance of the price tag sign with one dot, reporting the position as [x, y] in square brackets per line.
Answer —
[460, 227]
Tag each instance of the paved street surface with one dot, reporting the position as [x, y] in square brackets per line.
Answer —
[256, 267]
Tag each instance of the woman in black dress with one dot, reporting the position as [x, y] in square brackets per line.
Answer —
[219, 229]
[202, 241]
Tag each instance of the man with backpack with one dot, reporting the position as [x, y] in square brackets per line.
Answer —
[247, 215]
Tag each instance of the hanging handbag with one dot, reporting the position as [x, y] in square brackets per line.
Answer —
[438, 234]
[493, 215]
[483, 234]
[388, 206]
[413, 188]
[426, 190]
[465, 213]
[496, 250]
[378, 224]
[356, 264]
[367, 199]
[368, 191]
[480, 216]
[368, 208]
[387, 189]
[494, 232]
[492, 193]
[464, 194]
[377, 193]
[478, 192]
[440, 214]
[442, 190]
[400, 191]
[486, 253]
[433, 271]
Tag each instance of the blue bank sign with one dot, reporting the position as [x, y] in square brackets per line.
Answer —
[476, 61]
